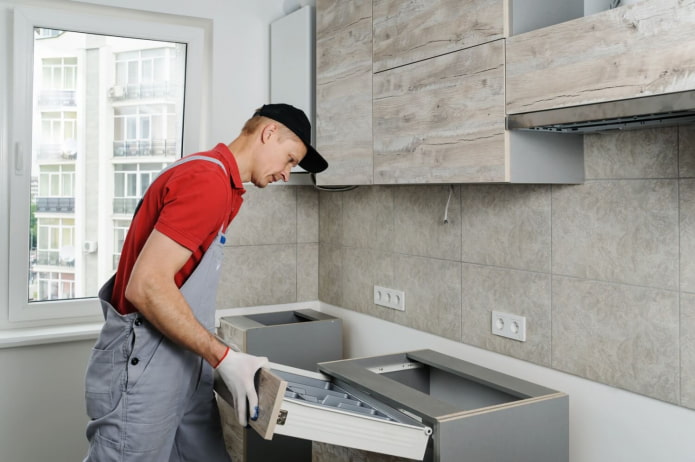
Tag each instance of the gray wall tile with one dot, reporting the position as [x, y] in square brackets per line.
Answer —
[331, 274]
[368, 218]
[432, 294]
[330, 217]
[687, 331]
[258, 275]
[522, 293]
[620, 335]
[632, 154]
[621, 231]
[307, 214]
[686, 151]
[506, 225]
[687, 235]
[419, 227]
[307, 272]
[268, 216]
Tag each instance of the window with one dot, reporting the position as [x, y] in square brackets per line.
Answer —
[131, 182]
[98, 111]
[120, 229]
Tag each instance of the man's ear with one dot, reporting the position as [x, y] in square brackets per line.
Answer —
[268, 131]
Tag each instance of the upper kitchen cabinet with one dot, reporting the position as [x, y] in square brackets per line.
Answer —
[407, 32]
[432, 109]
[633, 51]
[344, 90]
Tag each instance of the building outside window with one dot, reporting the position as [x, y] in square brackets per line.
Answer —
[97, 113]
[137, 116]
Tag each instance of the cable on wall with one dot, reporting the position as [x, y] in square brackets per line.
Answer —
[331, 188]
[448, 201]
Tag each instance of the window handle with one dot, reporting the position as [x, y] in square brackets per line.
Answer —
[18, 159]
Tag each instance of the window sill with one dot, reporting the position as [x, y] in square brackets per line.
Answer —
[12, 338]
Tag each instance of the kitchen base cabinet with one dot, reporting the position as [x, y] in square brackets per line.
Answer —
[476, 414]
[298, 339]
[420, 405]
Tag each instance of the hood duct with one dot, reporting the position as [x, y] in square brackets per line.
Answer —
[628, 114]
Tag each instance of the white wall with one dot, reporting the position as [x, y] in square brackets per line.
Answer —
[42, 412]
[606, 424]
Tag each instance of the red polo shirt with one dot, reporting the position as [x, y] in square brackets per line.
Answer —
[189, 203]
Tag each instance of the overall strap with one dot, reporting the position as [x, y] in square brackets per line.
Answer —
[176, 164]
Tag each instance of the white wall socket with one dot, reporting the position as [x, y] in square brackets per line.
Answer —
[509, 325]
[390, 298]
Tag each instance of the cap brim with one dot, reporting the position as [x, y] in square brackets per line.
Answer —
[313, 162]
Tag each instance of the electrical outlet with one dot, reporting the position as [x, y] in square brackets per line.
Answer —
[390, 298]
[509, 325]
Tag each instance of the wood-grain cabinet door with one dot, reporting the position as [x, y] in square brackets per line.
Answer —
[442, 120]
[407, 32]
[631, 51]
[344, 90]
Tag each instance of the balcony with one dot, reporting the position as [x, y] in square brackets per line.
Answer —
[160, 90]
[55, 204]
[125, 205]
[144, 148]
[53, 258]
[55, 152]
[57, 98]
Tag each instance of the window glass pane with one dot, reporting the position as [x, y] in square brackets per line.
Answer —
[71, 207]
[133, 72]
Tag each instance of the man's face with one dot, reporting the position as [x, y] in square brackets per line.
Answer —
[280, 151]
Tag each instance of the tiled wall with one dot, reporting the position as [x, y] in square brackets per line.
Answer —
[272, 250]
[604, 271]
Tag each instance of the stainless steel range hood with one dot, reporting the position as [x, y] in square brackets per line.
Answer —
[644, 112]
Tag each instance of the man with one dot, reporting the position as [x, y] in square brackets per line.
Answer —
[149, 380]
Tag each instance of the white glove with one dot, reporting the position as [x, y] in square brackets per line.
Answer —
[238, 370]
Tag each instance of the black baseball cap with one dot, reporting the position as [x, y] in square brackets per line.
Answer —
[297, 121]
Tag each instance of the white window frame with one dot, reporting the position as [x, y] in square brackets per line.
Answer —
[21, 313]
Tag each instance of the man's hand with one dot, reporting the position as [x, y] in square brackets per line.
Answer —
[238, 371]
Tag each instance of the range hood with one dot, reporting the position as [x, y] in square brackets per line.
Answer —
[627, 114]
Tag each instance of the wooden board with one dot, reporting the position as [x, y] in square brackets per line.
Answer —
[271, 390]
[442, 120]
[344, 90]
[407, 32]
[628, 52]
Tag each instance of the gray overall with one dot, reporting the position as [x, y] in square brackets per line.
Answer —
[149, 399]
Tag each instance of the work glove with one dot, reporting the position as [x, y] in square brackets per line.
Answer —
[237, 370]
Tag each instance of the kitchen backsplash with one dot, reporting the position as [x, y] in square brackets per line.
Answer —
[604, 272]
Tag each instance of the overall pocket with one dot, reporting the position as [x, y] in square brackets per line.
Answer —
[99, 383]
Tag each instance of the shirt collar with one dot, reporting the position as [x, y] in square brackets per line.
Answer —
[231, 165]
